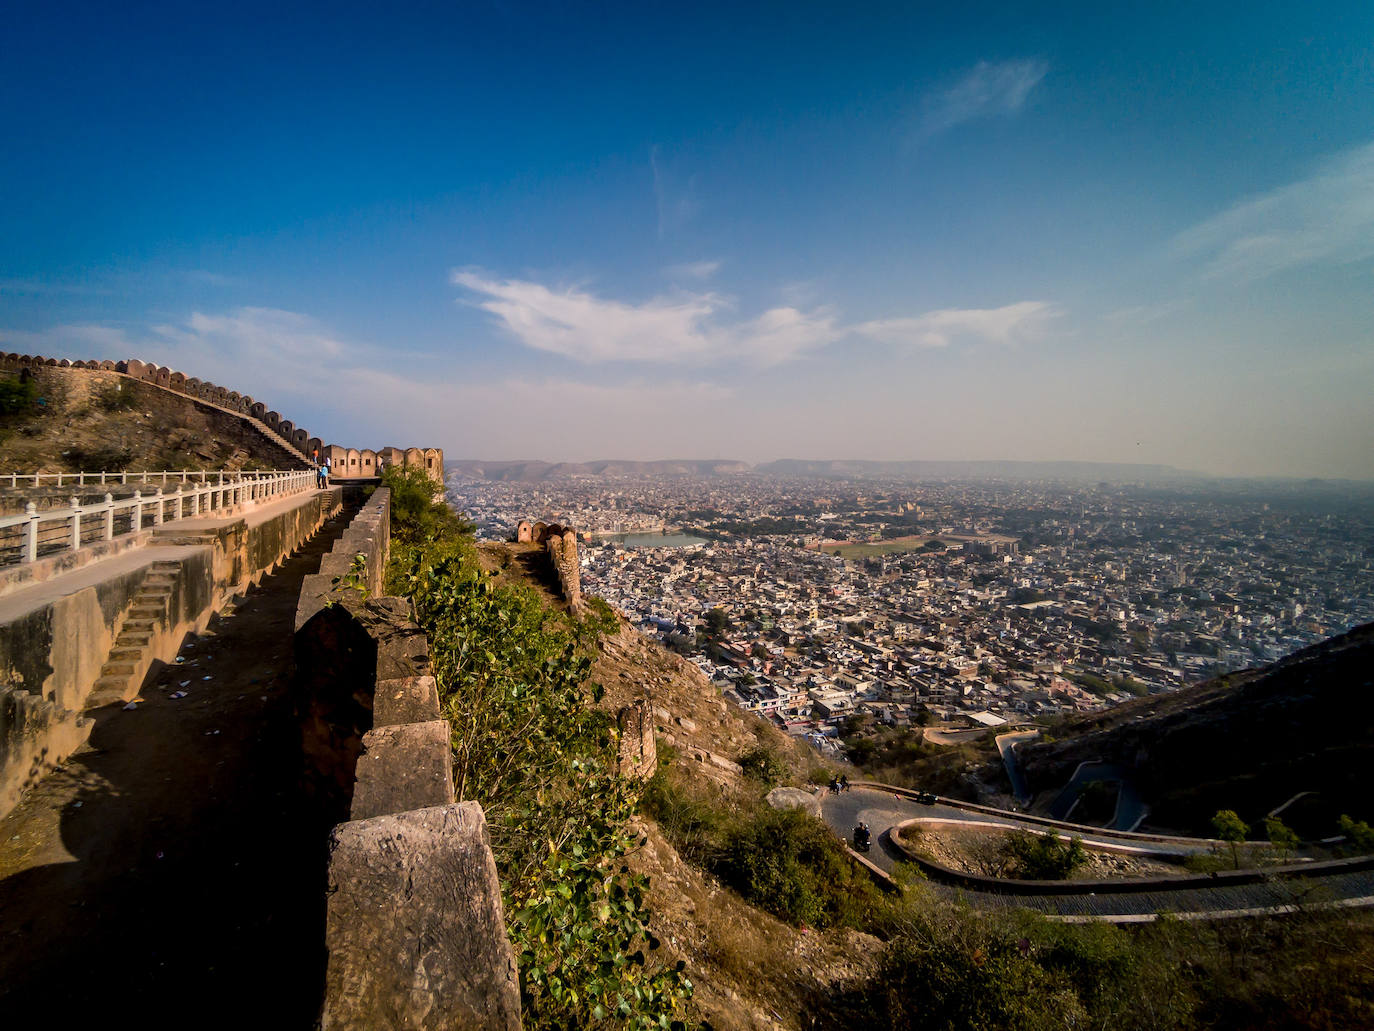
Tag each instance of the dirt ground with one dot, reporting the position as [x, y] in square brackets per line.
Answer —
[171, 871]
[976, 850]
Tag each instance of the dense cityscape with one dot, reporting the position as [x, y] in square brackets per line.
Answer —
[979, 603]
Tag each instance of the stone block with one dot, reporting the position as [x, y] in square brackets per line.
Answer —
[405, 700]
[402, 768]
[415, 929]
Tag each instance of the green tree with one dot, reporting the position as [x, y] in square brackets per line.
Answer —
[1361, 835]
[717, 622]
[1281, 836]
[418, 512]
[1231, 828]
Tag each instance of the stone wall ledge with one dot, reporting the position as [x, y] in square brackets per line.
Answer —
[416, 935]
[402, 767]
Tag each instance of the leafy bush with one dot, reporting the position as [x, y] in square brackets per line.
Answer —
[790, 864]
[1042, 857]
[764, 765]
[531, 746]
[416, 516]
[114, 398]
[1361, 835]
[16, 395]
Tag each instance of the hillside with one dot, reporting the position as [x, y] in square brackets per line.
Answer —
[535, 471]
[88, 420]
[1247, 741]
[750, 970]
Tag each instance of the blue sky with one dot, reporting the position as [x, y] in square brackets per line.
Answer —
[1094, 232]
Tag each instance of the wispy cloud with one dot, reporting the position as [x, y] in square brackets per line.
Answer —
[699, 270]
[1009, 325]
[696, 327]
[987, 90]
[674, 195]
[683, 327]
[1326, 219]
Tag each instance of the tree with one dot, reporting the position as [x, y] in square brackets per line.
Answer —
[1281, 836]
[1231, 828]
[1361, 835]
[717, 621]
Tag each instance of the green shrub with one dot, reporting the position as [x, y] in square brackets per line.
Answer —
[764, 765]
[113, 397]
[16, 395]
[530, 744]
[1043, 857]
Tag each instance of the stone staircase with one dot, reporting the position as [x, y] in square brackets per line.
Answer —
[130, 656]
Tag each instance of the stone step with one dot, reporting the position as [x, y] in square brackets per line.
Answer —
[107, 691]
[126, 653]
[166, 565]
[134, 639]
[157, 579]
[138, 625]
[146, 611]
[119, 668]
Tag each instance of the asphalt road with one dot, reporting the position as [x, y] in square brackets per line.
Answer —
[882, 811]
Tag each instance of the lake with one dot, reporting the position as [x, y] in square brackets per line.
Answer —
[652, 540]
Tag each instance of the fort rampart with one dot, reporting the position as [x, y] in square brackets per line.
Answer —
[414, 930]
[560, 543]
[90, 637]
[296, 442]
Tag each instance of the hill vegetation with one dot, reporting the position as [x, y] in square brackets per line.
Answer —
[63, 420]
[1248, 741]
[711, 908]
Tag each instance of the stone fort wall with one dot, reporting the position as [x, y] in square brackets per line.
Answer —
[353, 463]
[560, 543]
[296, 439]
[299, 442]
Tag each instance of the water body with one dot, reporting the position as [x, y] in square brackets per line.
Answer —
[653, 540]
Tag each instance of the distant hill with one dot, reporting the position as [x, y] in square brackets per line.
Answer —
[535, 471]
[1087, 471]
[1247, 741]
[528, 471]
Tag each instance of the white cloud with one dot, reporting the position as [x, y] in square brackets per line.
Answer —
[986, 90]
[1326, 219]
[1011, 324]
[681, 328]
[692, 327]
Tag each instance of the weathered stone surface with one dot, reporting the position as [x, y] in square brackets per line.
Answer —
[638, 756]
[405, 700]
[403, 767]
[794, 798]
[415, 930]
[686, 724]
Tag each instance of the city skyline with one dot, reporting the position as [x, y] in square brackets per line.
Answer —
[571, 233]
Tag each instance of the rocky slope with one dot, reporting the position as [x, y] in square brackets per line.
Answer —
[1247, 741]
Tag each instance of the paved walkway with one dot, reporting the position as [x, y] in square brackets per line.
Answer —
[172, 872]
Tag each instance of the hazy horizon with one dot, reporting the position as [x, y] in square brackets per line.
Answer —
[1047, 235]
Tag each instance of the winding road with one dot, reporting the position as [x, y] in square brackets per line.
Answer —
[883, 811]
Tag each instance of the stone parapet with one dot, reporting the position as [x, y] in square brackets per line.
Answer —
[415, 929]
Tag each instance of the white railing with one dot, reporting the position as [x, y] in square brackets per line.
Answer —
[34, 534]
[125, 478]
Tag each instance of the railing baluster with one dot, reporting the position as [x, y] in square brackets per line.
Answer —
[138, 512]
[31, 533]
[109, 517]
[76, 522]
[157, 512]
